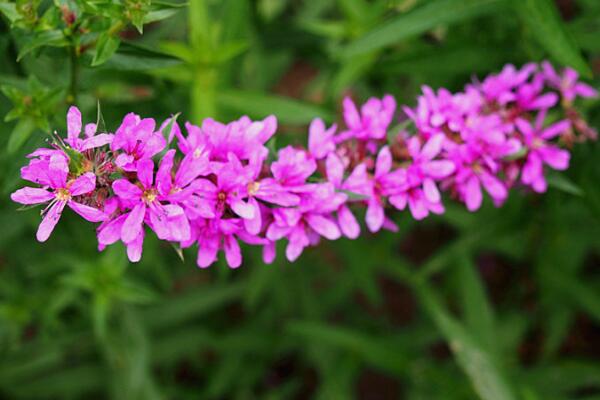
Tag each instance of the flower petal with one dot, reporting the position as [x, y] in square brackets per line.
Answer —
[73, 124]
[348, 223]
[83, 184]
[375, 215]
[50, 220]
[89, 213]
[145, 172]
[126, 190]
[323, 226]
[233, 253]
[133, 224]
[472, 194]
[29, 195]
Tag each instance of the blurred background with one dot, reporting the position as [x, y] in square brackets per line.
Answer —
[500, 304]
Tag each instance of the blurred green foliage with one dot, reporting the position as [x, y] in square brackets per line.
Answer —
[502, 304]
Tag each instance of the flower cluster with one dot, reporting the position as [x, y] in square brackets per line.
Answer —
[217, 184]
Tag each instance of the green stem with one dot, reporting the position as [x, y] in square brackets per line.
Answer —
[203, 94]
[72, 96]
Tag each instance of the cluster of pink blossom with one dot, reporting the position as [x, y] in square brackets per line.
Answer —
[218, 183]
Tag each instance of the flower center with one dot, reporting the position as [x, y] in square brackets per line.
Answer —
[222, 196]
[149, 195]
[253, 188]
[537, 143]
[63, 194]
[197, 153]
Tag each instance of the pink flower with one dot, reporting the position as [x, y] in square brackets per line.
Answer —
[304, 225]
[320, 140]
[216, 234]
[383, 183]
[61, 194]
[137, 141]
[345, 219]
[373, 120]
[567, 84]
[292, 168]
[473, 171]
[74, 130]
[541, 152]
[420, 190]
[167, 220]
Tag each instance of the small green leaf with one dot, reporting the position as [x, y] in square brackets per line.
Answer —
[20, 134]
[54, 38]
[261, 105]
[562, 182]
[9, 10]
[106, 46]
[418, 21]
[543, 19]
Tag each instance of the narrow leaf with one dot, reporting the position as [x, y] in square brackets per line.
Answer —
[543, 19]
[418, 21]
[107, 46]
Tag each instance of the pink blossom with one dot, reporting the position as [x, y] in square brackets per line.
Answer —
[74, 130]
[137, 141]
[568, 83]
[540, 151]
[373, 120]
[61, 194]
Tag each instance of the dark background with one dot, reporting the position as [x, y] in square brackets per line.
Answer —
[500, 304]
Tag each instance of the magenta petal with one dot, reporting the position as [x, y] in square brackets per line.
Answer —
[351, 116]
[269, 252]
[532, 169]
[348, 223]
[417, 206]
[145, 172]
[494, 187]
[73, 124]
[89, 213]
[399, 200]
[135, 247]
[555, 157]
[254, 225]
[383, 163]
[438, 169]
[207, 252]
[431, 191]
[472, 194]
[323, 226]
[133, 224]
[433, 146]
[242, 208]
[233, 253]
[163, 175]
[50, 220]
[375, 215]
[29, 195]
[96, 141]
[83, 184]
[126, 190]
[555, 129]
[110, 232]
[125, 161]
[335, 169]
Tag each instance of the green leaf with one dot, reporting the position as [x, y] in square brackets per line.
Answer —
[189, 305]
[543, 19]
[477, 311]
[477, 363]
[9, 10]
[20, 134]
[106, 46]
[53, 38]
[377, 351]
[260, 105]
[418, 21]
[560, 181]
